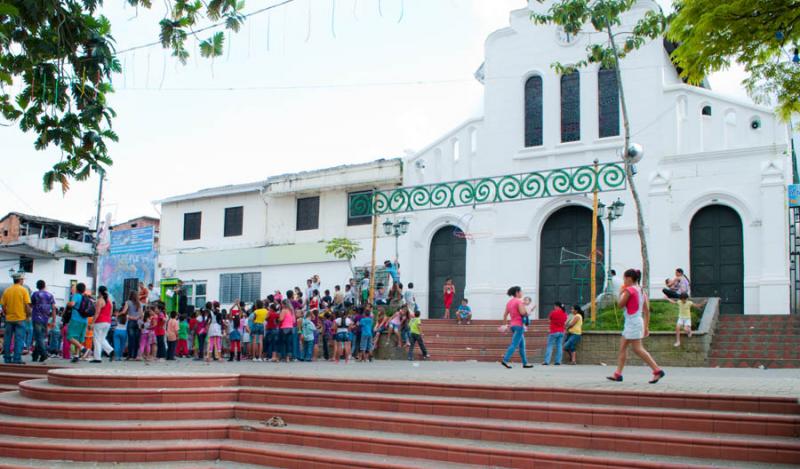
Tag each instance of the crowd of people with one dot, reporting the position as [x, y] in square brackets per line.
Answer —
[295, 325]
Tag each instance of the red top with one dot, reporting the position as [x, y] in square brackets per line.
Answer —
[105, 314]
[272, 320]
[558, 318]
[512, 307]
[160, 324]
[193, 324]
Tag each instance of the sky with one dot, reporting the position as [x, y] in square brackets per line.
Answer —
[312, 84]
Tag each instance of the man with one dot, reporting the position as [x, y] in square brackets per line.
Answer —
[153, 297]
[44, 310]
[677, 285]
[183, 300]
[76, 330]
[16, 303]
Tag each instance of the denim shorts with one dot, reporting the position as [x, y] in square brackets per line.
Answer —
[258, 329]
[366, 343]
[342, 337]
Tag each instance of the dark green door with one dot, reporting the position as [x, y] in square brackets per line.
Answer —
[717, 257]
[564, 249]
[448, 258]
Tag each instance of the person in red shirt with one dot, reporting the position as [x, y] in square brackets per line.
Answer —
[558, 319]
[272, 334]
[160, 331]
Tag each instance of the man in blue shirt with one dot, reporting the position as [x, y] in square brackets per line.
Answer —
[76, 331]
[366, 325]
[44, 308]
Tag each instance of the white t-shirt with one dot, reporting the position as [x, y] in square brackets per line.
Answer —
[348, 322]
[215, 330]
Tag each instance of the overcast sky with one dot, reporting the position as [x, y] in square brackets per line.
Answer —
[286, 96]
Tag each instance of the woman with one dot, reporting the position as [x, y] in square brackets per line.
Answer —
[575, 329]
[133, 311]
[515, 310]
[287, 324]
[637, 319]
[102, 322]
[449, 292]
[203, 323]
[343, 325]
[257, 333]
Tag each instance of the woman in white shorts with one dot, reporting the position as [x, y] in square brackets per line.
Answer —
[637, 317]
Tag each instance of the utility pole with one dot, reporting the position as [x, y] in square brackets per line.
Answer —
[593, 256]
[95, 256]
[371, 296]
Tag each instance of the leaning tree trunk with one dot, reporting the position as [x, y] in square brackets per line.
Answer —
[640, 226]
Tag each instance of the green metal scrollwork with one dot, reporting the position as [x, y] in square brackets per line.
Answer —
[509, 188]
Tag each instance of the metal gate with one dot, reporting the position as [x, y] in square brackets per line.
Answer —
[794, 259]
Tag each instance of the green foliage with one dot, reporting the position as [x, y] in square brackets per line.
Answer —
[62, 54]
[343, 248]
[759, 34]
[663, 316]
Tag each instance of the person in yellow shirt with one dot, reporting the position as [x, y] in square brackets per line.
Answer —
[575, 329]
[684, 316]
[16, 303]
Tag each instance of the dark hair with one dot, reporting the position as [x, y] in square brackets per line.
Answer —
[40, 285]
[367, 313]
[173, 314]
[558, 304]
[613, 272]
[236, 322]
[133, 297]
[633, 274]
[80, 287]
[679, 270]
[337, 287]
[578, 309]
[464, 300]
[122, 318]
[103, 291]
[417, 314]
[684, 296]
[512, 292]
[410, 284]
[259, 304]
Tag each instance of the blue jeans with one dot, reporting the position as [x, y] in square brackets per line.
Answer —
[15, 330]
[28, 334]
[54, 341]
[286, 343]
[556, 340]
[308, 352]
[39, 334]
[517, 341]
[295, 345]
[134, 336]
[120, 340]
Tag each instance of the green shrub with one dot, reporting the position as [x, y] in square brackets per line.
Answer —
[663, 316]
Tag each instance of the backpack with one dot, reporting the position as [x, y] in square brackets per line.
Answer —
[86, 309]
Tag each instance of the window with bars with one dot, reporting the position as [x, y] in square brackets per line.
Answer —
[570, 107]
[70, 266]
[308, 213]
[191, 225]
[234, 217]
[26, 264]
[245, 286]
[533, 112]
[358, 208]
[608, 102]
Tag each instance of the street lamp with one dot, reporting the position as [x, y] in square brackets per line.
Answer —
[610, 213]
[396, 229]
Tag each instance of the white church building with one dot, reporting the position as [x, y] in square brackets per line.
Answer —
[712, 184]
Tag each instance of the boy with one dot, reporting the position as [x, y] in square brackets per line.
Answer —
[416, 336]
[308, 330]
[684, 316]
[409, 298]
[172, 335]
[183, 338]
[366, 325]
[464, 312]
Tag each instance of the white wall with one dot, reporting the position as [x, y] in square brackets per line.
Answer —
[52, 272]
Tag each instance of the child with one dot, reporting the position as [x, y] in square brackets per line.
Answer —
[120, 336]
[235, 336]
[172, 335]
[192, 339]
[381, 326]
[530, 308]
[342, 337]
[308, 330]
[54, 335]
[327, 333]
[183, 338]
[408, 297]
[247, 336]
[214, 338]
[395, 325]
[684, 316]
[449, 292]
[464, 312]
[65, 344]
[147, 336]
[416, 336]
[366, 325]
[160, 333]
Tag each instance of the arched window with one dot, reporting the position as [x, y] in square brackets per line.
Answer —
[533, 111]
[570, 107]
[607, 102]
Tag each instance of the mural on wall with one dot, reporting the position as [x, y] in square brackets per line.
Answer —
[131, 255]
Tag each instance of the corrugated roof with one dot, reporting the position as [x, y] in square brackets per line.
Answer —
[45, 221]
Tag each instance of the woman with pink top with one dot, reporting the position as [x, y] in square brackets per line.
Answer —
[515, 310]
[637, 318]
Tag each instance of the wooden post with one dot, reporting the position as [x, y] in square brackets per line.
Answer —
[593, 268]
[374, 249]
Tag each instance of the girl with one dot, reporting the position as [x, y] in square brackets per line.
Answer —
[214, 339]
[235, 336]
[381, 326]
[342, 345]
[449, 291]
[684, 316]
[172, 335]
[257, 331]
[395, 326]
[183, 338]
[120, 336]
[530, 307]
[575, 329]
[133, 311]
[147, 335]
[309, 329]
[65, 344]
[515, 310]
[201, 332]
[637, 319]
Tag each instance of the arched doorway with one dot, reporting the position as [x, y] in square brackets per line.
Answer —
[717, 257]
[566, 277]
[448, 258]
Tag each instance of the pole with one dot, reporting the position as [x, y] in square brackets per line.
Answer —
[396, 249]
[593, 268]
[609, 284]
[374, 248]
[95, 256]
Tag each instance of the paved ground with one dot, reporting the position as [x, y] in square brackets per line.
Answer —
[696, 380]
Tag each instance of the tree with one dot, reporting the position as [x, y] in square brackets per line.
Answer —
[605, 17]
[761, 35]
[343, 249]
[61, 55]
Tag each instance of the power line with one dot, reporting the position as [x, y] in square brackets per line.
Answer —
[206, 28]
[309, 86]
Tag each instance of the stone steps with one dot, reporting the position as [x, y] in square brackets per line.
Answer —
[752, 341]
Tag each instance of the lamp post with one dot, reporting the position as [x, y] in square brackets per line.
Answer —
[610, 213]
[396, 229]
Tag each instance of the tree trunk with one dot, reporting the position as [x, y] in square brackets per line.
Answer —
[640, 225]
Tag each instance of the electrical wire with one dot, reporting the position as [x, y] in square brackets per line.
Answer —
[313, 86]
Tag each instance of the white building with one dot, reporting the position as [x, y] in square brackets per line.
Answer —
[712, 184]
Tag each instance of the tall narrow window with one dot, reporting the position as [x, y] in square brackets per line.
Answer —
[570, 107]
[307, 213]
[233, 221]
[191, 225]
[70, 266]
[607, 102]
[533, 111]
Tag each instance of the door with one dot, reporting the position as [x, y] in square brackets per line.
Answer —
[717, 257]
[448, 258]
[128, 285]
[564, 253]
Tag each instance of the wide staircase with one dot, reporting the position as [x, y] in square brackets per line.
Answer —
[480, 341]
[755, 340]
[79, 417]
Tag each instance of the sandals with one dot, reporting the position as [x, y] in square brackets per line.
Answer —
[616, 377]
[657, 376]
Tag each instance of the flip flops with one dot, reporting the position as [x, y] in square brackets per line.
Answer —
[657, 376]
